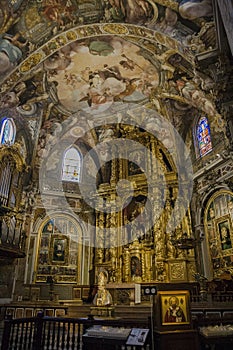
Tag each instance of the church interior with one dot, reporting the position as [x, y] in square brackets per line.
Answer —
[116, 152]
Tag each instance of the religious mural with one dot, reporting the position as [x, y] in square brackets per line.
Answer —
[48, 32]
[59, 250]
[219, 228]
[93, 74]
[31, 23]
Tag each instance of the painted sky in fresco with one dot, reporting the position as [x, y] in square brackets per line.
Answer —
[94, 74]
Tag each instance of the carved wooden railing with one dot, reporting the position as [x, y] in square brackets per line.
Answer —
[43, 332]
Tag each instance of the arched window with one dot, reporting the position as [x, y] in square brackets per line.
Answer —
[203, 137]
[71, 168]
[8, 131]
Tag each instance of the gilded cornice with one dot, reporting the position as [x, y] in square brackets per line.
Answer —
[14, 152]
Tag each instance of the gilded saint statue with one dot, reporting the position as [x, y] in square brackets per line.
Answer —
[103, 296]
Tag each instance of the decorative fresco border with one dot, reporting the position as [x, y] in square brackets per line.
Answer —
[128, 31]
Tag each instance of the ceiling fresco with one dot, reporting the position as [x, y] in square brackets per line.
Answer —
[59, 57]
[27, 25]
[93, 74]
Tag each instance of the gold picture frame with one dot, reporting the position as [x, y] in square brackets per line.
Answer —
[223, 228]
[174, 309]
[59, 249]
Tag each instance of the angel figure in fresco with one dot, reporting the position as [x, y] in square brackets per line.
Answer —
[107, 85]
[137, 9]
[169, 20]
[136, 269]
[51, 12]
[59, 61]
[127, 63]
[104, 86]
[192, 9]
[10, 51]
[58, 11]
[132, 10]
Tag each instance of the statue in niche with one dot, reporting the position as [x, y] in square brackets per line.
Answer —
[159, 244]
[103, 296]
[138, 221]
[136, 269]
[138, 232]
[171, 250]
[100, 255]
[160, 272]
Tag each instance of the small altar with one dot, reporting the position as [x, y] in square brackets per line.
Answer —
[102, 311]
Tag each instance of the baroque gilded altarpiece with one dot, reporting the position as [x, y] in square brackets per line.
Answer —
[149, 254]
[153, 64]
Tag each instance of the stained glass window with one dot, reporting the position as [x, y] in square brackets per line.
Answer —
[203, 137]
[8, 131]
[71, 169]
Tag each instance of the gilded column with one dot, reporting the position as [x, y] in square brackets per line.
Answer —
[148, 264]
[127, 266]
[114, 171]
[100, 237]
[143, 264]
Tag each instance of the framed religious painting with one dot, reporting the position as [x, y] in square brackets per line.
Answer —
[174, 309]
[59, 249]
[224, 233]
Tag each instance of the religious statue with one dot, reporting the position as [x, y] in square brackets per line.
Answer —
[103, 296]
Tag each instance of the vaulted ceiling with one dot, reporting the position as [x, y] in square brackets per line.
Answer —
[80, 65]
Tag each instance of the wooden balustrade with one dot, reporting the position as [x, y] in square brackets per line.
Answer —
[53, 333]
